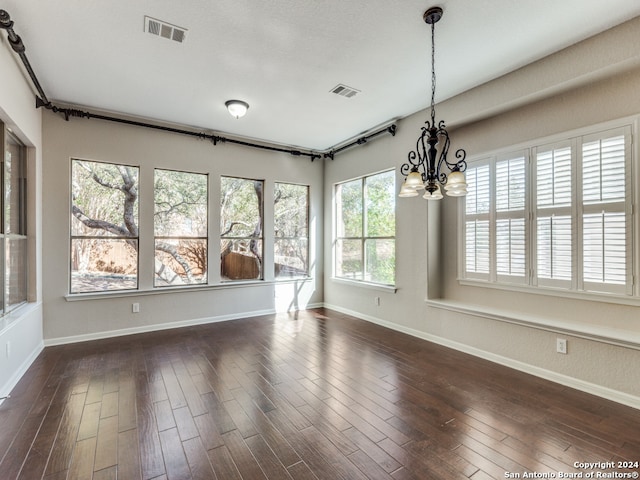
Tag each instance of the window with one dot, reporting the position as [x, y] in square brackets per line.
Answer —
[291, 230]
[13, 233]
[104, 227]
[562, 220]
[241, 225]
[180, 225]
[365, 229]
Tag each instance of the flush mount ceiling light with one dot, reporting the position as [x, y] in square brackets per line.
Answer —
[424, 167]
[237, 108]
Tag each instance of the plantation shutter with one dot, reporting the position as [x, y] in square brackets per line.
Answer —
[510, 218]
[605, 222]
[477, 234]
[554, 215]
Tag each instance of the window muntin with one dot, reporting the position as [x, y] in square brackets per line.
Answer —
[291, 230]
[241, 227]
[365, 229]
[104, 227]
[580, 216]
[180, 228]
[13, 235]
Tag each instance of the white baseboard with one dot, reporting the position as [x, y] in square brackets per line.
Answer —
[588, 387]
[153, 328]
[17, 375]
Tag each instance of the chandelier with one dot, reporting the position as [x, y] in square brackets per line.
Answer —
[424, 169]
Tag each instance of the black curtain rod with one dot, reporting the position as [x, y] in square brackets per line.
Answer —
[42, 101]
[362, 140]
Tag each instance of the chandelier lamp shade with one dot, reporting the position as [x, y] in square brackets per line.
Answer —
[425, 165]
[237, 108]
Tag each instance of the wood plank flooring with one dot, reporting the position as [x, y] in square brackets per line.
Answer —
[318, 395]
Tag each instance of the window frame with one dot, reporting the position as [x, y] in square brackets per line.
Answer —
[576, 287]
[7, 234]
[363, 229]
[73, 237]
[261, 238]
[157, 237]
[277, 277]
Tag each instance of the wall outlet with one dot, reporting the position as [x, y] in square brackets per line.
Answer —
[8, 349]
[561, 345]
[135, 308]
[376, 301]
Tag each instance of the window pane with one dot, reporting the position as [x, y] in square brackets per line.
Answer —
[380, 205]
[16, 267]
[291, 257]
[102, 264]
[104, 199]
[477, 246]
[510, 247]
[349, 261]
[605, 248]
[349, 209]
[554, 247]
[510, 184]
[180, 204]
[603, 172]
[291, 212]
[180, 262]
[554, 178]
[15, 189]
[241, 259]
[381, 261]
[478, 198]
[241, 206]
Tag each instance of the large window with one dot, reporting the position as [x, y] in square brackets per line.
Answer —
[561, 220]
[180, 224]
[13, 235]
[365, 229]
[104, 227]
[291, 230]
[241, 225]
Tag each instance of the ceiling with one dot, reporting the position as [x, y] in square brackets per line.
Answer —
[284, 57]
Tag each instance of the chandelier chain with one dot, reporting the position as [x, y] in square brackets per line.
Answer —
[433, 74]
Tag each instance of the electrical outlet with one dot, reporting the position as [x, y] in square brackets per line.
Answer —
[561, 345]
[8, 349]
[376, 301]
[135, 308]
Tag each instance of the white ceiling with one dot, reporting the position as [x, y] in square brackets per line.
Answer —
[284, 56]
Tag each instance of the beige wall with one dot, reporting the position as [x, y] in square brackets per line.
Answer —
[21, 330]
[70, 319]
[514, 328]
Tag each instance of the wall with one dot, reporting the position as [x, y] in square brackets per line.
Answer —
[510, 327]
[74, 318]
[22, 329]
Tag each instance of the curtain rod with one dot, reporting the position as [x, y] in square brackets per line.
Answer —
[42, 101]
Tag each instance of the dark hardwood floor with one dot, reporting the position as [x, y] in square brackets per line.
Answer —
[323, 395]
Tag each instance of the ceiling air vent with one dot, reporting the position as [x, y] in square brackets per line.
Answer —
[344, 91]
[164, 29]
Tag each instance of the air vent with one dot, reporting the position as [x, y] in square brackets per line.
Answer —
[344, 91]
[164, 29]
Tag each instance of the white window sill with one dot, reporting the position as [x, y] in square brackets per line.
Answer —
[75, 297]
[364, 284]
